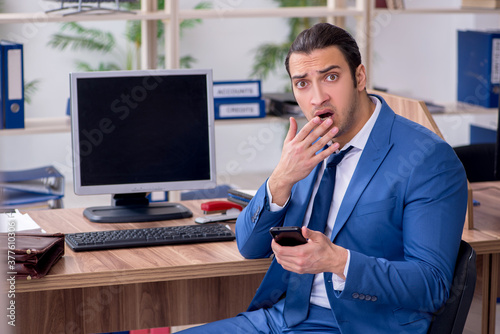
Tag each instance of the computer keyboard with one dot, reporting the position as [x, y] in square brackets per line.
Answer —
[146, 237]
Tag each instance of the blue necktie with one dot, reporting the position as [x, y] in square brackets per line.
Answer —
[299, 286]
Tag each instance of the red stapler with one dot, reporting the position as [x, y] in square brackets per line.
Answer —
[218, 211]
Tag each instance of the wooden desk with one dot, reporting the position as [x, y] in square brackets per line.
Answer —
[485, 239]
[123, 289]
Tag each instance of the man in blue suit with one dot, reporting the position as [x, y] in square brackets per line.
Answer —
[386, 258]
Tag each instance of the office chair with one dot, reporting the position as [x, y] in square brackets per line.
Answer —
[478, 161]
[452, 316]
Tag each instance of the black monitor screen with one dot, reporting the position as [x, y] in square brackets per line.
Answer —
[142, 131]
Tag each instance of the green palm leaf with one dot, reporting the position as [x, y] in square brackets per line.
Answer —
[29, 89]
[268, 57]
[82, 38]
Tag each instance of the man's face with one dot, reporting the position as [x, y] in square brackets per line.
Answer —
[323, 86]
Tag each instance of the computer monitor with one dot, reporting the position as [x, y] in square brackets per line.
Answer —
[136, 132]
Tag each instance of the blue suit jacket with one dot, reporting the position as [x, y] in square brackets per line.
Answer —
[401, 218]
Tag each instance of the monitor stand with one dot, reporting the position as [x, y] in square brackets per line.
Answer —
[128, 208]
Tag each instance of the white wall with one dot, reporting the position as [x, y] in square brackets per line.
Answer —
[413, 54]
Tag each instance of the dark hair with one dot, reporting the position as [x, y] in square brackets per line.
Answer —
[323, 35]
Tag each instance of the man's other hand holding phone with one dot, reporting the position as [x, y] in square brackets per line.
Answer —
[315, 256]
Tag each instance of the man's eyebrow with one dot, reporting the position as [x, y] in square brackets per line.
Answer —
[299, 76]
[328, 69]
[325, 70]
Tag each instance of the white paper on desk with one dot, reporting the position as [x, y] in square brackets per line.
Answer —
[16, 221]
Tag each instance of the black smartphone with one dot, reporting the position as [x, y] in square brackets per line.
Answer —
[288, 235]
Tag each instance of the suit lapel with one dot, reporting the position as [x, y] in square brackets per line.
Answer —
[376, 149]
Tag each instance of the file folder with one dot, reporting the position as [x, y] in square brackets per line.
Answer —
[11, 85]
[36, 187]
[250, 89]
[239, 108]
[479, 67]
[18, 198]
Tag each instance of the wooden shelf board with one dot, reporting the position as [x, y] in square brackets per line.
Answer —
[63, 124]
[40, 125]
[317, 11]
[42, 17]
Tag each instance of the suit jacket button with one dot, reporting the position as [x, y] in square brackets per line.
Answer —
[374, 298]
[355, 295]
[361, 296]
[368, 297]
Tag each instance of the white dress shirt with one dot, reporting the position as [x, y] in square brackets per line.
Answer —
[345, 170]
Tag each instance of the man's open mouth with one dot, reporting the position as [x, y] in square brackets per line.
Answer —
[325, 115]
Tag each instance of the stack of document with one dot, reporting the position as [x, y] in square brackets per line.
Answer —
[13, 220]
[42, 186]
[239, 196]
